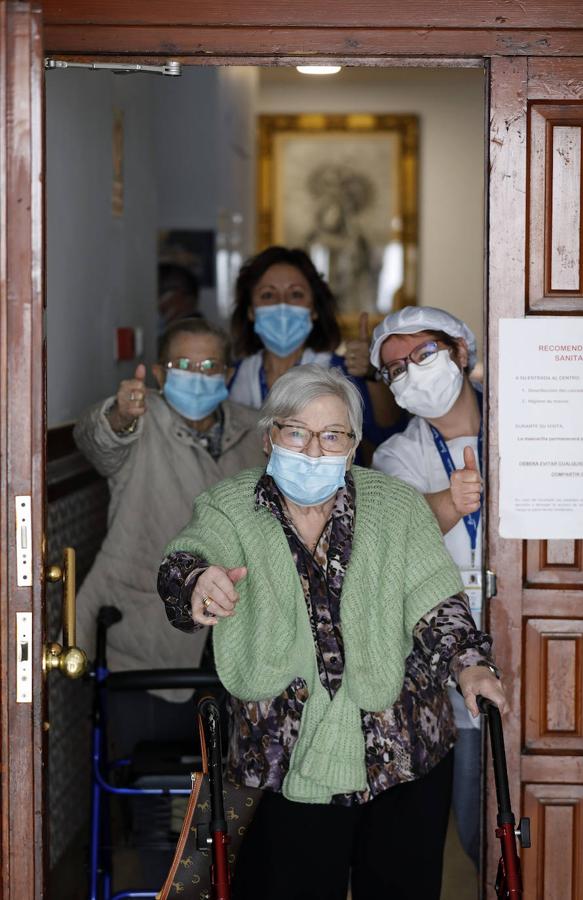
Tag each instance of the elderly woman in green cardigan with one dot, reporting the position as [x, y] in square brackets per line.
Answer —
[338, 617]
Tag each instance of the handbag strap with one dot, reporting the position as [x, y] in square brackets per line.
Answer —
[197, 779]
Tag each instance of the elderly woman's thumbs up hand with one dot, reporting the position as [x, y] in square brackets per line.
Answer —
[214, 596]
[130, 400]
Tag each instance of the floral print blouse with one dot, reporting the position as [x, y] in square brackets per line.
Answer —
[401, 743]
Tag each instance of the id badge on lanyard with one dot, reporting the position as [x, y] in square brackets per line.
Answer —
[471, 575]
[472, 581]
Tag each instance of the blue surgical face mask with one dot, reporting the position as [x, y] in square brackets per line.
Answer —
[306, 480]
[193, 395]
[283, 327]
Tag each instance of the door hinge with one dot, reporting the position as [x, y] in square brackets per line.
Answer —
[491, 584]
[171, 67]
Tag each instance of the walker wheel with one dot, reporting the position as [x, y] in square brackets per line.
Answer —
[523, 833]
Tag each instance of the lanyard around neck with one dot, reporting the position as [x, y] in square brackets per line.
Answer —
[263, 383]
[471, 521]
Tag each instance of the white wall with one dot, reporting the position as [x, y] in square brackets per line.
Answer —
[189, 162]
[238, 88]
[205, 154]
[101, 270]
[450, 106]
[190, 157]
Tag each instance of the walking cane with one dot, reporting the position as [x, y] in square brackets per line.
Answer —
[219, 838]
[509, 876]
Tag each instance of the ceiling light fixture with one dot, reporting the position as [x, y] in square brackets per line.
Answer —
[318, 70]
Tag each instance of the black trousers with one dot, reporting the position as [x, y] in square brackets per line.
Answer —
[388, 849]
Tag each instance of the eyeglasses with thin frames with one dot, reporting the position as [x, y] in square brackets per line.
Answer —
[331, 440]
[204, 366]
[422, 355]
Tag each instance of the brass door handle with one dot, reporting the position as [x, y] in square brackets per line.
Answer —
[68, 659]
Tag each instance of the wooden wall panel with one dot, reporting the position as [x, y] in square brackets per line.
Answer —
[555, 234]
[553, 867]
[553, 677]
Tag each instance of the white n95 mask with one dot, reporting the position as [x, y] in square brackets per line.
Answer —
[430, 391]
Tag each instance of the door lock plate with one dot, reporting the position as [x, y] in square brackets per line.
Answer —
[23, 541]
[24, 657]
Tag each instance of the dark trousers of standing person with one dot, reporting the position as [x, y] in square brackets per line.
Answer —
[390, 848]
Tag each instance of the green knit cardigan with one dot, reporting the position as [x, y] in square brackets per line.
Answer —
[398, 571]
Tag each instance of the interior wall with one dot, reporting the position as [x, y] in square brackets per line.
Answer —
[101, 270]
[205, 157]
[189, 162]
[450, 107]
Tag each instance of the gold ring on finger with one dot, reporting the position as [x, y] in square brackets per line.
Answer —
[132, 396]
[206, 601]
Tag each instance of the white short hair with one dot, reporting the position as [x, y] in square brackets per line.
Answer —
[292, 392]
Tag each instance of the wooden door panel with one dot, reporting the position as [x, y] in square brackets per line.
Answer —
[555, 234]
[553, 867]
[551, 565]
[553, 676]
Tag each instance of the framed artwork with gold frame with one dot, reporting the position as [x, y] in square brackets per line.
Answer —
[344, 188]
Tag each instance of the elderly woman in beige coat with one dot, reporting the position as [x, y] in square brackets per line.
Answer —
[158, 450]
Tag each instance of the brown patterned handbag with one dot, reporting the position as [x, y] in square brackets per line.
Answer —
[189, 875]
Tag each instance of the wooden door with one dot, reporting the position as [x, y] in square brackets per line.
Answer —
[21, 445]
[536, 268]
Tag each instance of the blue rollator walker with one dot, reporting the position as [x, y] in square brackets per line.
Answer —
[104, 771]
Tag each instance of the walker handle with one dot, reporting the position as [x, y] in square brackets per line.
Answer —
[491, 711]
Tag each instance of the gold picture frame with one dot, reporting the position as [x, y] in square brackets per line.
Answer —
[344, 187]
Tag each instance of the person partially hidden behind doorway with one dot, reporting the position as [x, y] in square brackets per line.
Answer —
[158, 450]
[425, 356]
[337, 616]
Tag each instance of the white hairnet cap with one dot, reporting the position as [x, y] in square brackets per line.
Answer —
[412, 319]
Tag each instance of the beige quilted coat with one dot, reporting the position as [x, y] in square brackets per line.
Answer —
[154, 476]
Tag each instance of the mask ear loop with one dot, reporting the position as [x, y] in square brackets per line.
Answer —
[351, 455]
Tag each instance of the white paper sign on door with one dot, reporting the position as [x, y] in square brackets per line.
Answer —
[541, 427]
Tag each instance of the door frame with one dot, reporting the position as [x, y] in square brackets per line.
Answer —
[255, 32]
[22, 437]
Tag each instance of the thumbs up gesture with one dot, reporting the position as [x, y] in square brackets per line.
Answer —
[466, 485]
[357, 352]
[130, 400]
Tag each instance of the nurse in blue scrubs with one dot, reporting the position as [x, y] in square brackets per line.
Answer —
[285, 315]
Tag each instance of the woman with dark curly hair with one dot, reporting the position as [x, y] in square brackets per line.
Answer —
[284, 316]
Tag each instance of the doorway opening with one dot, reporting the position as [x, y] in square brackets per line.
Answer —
[146, 173]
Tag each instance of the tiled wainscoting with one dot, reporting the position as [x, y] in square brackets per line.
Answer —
[76, 517]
